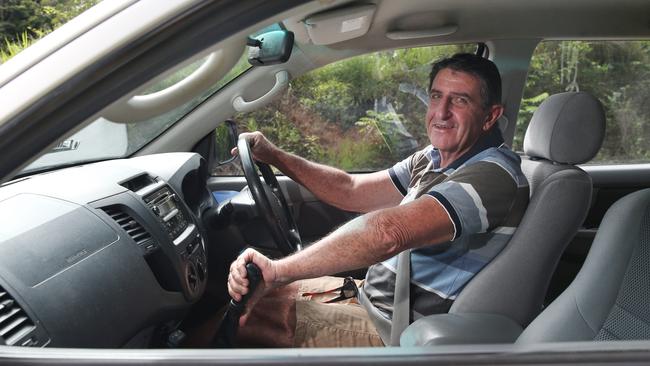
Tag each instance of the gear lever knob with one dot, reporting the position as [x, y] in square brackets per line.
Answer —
[225, 336]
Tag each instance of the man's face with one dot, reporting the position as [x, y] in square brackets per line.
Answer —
[456, 116]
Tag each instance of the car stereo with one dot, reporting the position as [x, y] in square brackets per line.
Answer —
[168, 209]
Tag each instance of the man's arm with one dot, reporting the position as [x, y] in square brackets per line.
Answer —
[357, 193]
[370, 239]
[366, 240]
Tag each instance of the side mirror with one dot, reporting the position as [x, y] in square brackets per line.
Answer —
[225, 139]
[270, 48]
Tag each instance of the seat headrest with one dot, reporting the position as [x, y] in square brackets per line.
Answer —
[567, 128]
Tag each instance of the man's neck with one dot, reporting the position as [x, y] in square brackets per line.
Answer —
[447, 158]
[492, 138]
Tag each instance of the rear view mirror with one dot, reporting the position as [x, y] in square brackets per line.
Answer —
[270, 48]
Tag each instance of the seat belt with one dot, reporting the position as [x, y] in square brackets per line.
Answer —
[402, 296]
[401, 299]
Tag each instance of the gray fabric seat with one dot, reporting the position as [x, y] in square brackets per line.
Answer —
[609, 298]
[566, 129]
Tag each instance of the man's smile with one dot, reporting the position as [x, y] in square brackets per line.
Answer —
[442, 125]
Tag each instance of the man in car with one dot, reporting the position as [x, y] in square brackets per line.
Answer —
[453, 204]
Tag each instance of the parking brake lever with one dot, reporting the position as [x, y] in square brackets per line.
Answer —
[225, 336]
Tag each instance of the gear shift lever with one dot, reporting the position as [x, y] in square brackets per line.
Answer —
[225, 336]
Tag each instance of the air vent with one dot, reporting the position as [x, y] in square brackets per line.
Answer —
[139, 182]
[15, 325]
[132, 227]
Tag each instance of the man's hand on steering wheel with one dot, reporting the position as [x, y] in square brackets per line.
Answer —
[263, 150]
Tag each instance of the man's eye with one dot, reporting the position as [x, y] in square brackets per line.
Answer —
[460, 101]
[435, 96]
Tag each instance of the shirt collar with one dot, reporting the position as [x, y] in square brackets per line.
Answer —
[492, 138]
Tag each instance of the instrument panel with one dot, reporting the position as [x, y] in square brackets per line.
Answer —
[101, 255]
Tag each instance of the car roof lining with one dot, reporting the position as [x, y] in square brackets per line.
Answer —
[579, 19]
[586, 19]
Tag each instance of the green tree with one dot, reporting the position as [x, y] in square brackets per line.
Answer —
[22, 16]
[340, 102]
[23, 21]
[617, 73]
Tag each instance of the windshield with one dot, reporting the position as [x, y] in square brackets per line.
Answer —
[103, 139]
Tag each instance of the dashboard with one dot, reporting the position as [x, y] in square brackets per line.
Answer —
[103, 254]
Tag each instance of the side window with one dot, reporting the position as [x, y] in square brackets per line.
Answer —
[360, 114]
[616, 72]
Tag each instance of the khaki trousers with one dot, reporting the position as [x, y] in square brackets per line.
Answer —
[285, 318]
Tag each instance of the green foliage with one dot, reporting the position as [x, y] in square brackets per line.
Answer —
[332, 99]
[223, 143]
[22, 16]
[345, 96]
[22, 22]
[527, 108]
[374, 122]
[278, 128]
[11, 49]
[616, 72]
[350, 155]
[338, 92]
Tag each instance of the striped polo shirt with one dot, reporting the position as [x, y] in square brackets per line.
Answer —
[485, 195]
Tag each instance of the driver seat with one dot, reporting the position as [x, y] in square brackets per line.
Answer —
[566, 129]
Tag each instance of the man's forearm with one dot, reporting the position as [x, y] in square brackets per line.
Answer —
[340, 251]
[370, 239]
[331, 185]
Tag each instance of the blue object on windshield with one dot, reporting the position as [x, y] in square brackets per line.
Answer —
[222, 196]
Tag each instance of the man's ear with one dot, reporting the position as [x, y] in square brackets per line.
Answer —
[494, 113]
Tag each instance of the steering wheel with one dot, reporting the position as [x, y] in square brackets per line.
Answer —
[270, 201]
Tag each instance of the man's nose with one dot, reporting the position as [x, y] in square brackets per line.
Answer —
[442, 109]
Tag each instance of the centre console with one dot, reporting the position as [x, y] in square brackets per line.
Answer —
[188, 246]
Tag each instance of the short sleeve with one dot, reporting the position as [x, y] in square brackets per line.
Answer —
[400, 174]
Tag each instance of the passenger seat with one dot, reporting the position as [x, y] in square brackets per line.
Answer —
[610, 297]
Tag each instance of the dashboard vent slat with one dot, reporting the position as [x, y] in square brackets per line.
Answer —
[132, 227]
[15, 324]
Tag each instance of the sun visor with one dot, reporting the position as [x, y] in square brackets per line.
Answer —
[340, 25]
